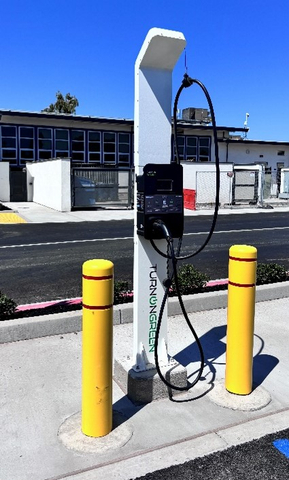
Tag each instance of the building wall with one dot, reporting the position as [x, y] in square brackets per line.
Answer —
[4, 182]
[248, 153]
[49, 184]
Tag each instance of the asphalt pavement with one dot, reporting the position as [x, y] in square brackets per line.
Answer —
[40, 397]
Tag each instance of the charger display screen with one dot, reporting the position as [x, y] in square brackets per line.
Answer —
[164, 185]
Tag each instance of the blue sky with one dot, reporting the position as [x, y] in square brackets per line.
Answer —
[238, 49]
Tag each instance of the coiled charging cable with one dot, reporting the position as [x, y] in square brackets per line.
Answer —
[187, 82]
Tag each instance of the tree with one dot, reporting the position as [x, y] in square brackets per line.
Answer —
[63, 104]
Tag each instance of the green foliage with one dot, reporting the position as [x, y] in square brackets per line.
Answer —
[190, 280]
[121, 290]
[270, 273]
[7, 307]
[63, 104]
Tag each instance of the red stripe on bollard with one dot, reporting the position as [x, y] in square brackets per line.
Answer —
[248, 285]
[87, 277]
[94, 307]
[243, 259]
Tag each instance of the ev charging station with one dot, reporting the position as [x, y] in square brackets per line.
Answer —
[158, 198]
[159, 219]
[152, 144]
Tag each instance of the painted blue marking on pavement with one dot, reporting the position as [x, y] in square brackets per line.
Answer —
[282, 446]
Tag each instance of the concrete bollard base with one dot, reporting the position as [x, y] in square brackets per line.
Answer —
[256, 400]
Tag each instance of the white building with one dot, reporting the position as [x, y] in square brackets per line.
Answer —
[107, 143]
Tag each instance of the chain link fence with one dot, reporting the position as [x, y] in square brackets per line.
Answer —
[206, 188]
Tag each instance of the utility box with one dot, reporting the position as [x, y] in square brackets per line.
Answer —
[196, 115]
[160, 197]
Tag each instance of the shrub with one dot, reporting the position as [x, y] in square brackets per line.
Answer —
[7, 306]
[190, 280]
[121, 292]
[270, 273]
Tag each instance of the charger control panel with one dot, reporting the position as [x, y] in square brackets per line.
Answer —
[160, 197]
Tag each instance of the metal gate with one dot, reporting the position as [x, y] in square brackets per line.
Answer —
[245, 185]
[101, 187]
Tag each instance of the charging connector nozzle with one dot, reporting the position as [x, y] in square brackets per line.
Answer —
[159, 225]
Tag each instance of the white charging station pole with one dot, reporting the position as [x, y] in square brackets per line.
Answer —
[152, 144]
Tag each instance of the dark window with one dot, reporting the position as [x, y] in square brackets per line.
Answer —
[61, 143]
[204, 149]
[180, 146]
[44, 143]
[9, 143]
[26, 135]
[78, 156]
[194, 149]
[94, 147]
[8, 131]
[26, 132]
[27, 155]
[77, 135]
[124, 149]
[26, 143]
[109, 148]
[8, 154]
[77, 145]
[44, 133]
[61, 134]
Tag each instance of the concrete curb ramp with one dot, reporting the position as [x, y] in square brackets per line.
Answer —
[55, 324]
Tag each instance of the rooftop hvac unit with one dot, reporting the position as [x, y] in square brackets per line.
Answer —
[196, 115]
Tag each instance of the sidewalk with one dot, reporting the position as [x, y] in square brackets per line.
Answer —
[40, 386]
[34, 213]
[41, 402]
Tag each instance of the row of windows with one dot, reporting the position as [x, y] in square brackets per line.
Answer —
[108, 148]
[194, 149]
[29, 143]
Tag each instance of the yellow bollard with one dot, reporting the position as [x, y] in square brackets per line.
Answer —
[240, 321]
[97, 321]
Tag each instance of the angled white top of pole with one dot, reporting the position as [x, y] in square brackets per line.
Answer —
[152, 143]
[161, 49]
[153, 96]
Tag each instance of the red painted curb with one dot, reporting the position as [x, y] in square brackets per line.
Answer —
[78, 300]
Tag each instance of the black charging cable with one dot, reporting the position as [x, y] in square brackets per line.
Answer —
[160, 225]
[187, 82]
